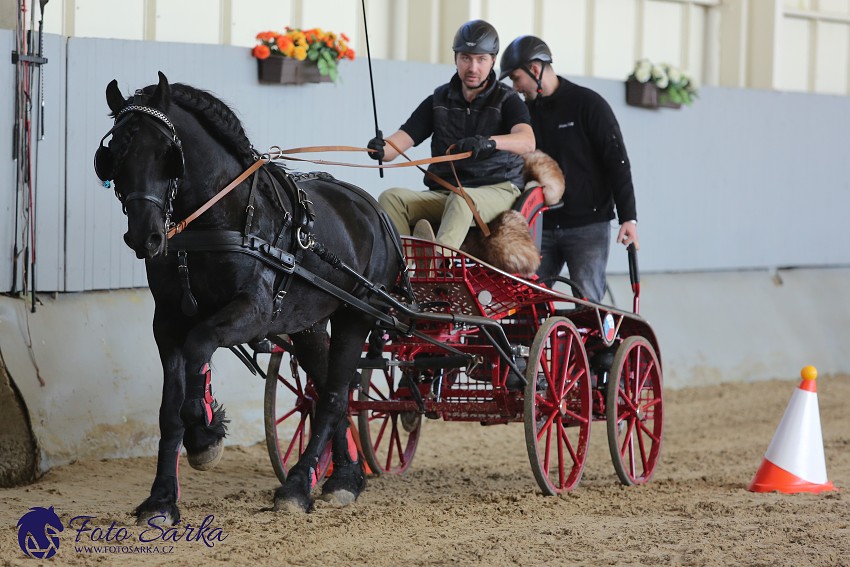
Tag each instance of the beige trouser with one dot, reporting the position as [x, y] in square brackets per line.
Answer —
[405, 207]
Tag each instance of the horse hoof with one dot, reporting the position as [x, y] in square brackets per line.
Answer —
[289, 507]
[339, 498]
[155, 519]
[208, 458]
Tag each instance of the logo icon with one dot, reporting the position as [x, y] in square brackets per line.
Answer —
[38, 532]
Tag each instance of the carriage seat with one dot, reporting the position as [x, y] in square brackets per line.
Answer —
[516, 234]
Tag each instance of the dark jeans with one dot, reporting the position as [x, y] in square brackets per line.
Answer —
[585, 251]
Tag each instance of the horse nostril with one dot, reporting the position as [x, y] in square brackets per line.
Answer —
[153, 242]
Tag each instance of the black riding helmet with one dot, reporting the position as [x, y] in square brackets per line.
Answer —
[476, 36]
[522, 51]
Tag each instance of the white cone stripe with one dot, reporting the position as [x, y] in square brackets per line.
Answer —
[797, 446]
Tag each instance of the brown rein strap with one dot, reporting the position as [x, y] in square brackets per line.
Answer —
[181, 226]
[275, 153]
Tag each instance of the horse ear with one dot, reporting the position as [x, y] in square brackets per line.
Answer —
[161, 96]
[114, 98]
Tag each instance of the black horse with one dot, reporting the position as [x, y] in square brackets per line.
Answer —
[280, 254]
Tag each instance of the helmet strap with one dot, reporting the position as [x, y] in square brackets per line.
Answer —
[537, 79]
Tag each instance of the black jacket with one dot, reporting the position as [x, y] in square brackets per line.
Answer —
[577, 127]
[447, 117]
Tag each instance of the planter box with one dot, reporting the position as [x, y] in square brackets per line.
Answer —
[647, 95]
[287, 71]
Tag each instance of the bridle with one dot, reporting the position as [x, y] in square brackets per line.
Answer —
[104, 164]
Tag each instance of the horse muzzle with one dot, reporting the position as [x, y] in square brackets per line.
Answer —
[151, 246]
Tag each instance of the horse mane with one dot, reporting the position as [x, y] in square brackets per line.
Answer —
[218, 118]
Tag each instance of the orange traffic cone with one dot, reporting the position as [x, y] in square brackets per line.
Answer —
[794, 461]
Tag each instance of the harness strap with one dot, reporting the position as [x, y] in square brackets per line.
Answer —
[233, 241]
[181, 226]
[249, 210]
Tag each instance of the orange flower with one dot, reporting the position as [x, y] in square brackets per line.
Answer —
[284, 42]
[261, 51]
[314, 44]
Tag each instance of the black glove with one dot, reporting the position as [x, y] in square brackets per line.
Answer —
[377, 143]
[481, 146]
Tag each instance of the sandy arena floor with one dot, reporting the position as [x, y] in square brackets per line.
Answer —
[470, 499]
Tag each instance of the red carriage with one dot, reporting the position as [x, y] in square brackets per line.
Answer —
[479, 344]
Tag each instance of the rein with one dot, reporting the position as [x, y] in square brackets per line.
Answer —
[276, 153]
[181, 226]
[457, 189]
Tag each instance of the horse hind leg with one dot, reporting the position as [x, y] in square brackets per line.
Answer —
[348, 480]
[204, 421]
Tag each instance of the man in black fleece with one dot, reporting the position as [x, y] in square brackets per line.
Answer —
[578, 129]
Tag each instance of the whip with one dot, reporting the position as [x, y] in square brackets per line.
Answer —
[378, 133]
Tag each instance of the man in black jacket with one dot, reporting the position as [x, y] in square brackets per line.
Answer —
[578, 129]
[474, 112]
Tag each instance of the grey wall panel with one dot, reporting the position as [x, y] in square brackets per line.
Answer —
[7, 165]
[97, 256]
[743, 179]
[50, 182]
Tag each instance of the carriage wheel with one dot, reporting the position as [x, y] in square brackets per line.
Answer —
[558, 406]
[388, 438]
[290, 405]
[634, 410]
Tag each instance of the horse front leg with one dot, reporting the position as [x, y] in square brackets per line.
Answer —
[349, 331]
[203, 417]
[161, 506]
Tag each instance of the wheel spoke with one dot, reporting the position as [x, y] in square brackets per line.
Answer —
[296, 438]
[387, 446]
[384, 420]
[548, 451]
[547, 425]
[287, 415]
[393, 441]
[297, 390]
[569, 444]
[561, 464]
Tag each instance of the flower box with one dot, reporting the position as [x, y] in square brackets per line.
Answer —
[288, 71]
[644, 95]
[300, 56]
[647, 95]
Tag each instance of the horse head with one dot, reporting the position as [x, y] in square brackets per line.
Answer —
[144, 163]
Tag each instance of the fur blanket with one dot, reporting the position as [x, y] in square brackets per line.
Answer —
[510, 246]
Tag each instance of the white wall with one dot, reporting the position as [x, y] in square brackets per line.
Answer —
[799, 45]
[89, 373]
